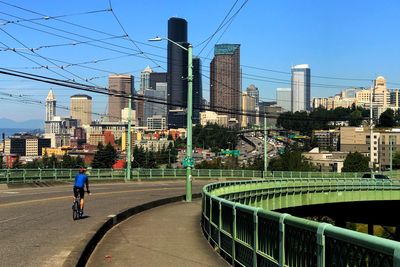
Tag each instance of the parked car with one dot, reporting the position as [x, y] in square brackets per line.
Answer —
[375, 176]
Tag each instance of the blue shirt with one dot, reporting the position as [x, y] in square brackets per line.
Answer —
[80, 180]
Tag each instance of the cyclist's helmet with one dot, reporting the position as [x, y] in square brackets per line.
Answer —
[82, 170]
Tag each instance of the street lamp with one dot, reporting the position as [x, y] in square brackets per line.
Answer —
[188, 161]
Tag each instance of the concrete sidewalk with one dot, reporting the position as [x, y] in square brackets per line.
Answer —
[169, 235]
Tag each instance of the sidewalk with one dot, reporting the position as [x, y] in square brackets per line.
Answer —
[169, 235]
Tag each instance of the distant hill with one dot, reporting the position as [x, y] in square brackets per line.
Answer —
[29, 124]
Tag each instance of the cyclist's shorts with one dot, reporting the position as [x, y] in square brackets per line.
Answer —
[81, 191]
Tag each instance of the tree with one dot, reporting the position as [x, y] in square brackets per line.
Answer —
[105, 156]
[355, 118]
[387, 118]
[67, 161]
[356, 162]
[1, 161]
[396, 160]
[291, 160]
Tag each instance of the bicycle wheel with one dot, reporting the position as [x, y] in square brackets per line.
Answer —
[75, 211]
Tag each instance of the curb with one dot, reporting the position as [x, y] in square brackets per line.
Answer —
[81, 253]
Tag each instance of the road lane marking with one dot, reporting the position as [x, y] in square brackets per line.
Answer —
[11, 219]
[10, 192]
[95, 194]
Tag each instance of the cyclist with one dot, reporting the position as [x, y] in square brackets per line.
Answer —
[80, 180]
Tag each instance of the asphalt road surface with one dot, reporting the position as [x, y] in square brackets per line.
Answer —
[36, 225]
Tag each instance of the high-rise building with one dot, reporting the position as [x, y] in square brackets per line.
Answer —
[122, 85]
[157, 77]
[248, 110]
[284, 98]
[252, 91]
[159, 95]
[225, 87]
[177, 72]
[145, 78]
[81, 109]
[50, 106]
[197, 91]
[301, 88]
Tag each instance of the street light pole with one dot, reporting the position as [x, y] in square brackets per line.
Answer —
[128, 152]
[188, 158]
[265, 146]
[189, 125]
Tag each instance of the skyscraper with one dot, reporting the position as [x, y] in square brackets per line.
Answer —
[284, 98]
[81, 108]
[252, 91]
[145, 78]
[177, 72]
[123, 85]
[50, 106]
[157, 77]
[301, 88]
[197, 90]
[225, 87]
[249, 109]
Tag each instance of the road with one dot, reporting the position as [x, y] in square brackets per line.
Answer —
[36, 226]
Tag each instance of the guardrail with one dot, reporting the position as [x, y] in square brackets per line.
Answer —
[37, 175]
[32, 175]
[251, 236]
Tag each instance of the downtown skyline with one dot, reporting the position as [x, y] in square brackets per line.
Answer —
[335, 44]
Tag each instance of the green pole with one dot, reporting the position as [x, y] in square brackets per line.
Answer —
[391, 153]
[265, 145]
[189, 126]
[128, 152]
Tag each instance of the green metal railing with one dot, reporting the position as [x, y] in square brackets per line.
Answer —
[38, 175]
[252, 236]
[34, 175]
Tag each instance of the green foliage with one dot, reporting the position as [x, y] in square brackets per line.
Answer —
[1, 161]
[396, 160]
[291, 160]
[387, 118]
[356, 162]
[319, 118]
[214, 137]
[104, 157]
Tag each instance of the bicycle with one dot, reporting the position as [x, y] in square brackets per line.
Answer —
[76, 207]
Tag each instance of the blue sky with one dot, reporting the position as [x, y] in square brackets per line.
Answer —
[339, 39]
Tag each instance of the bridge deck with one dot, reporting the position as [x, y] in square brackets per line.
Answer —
[169, 235]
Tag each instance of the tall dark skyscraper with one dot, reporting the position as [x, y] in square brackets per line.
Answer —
[197, 90]
[177, 72]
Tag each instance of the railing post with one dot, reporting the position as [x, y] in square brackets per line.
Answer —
[234, 236]
[40, 174]
[24, 175]
[98, 174]
[70, 174]
[151, 174]
[8, 176]
[163, 173]
[209, 173]
[396, 257]
[112, 174]
[55, 174]
[255, 237]
[321, 244]
[282, 239]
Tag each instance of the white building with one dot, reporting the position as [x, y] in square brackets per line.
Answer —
[301, 88]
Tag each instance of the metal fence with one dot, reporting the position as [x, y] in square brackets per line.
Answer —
[38, 175]
[251, 236]
[34, 175]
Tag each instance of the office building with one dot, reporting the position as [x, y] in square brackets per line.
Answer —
[50, 106]
[26, 145]
[157, 77]
[248, 110]
[122, 86]
[177, 72]
[326, 139]
[252, 91]
[156, 123]
[145, 78]
[284, 98]
[225, 84]
[157, 107]
[81, 109]
[301, 88]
